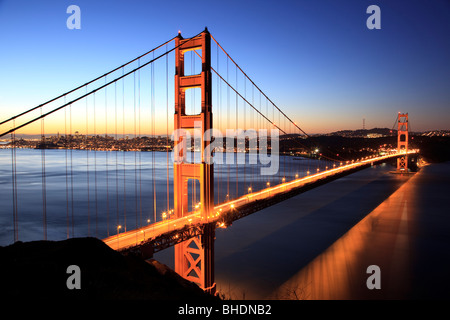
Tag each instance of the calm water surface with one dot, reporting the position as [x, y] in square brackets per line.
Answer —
[90, 193]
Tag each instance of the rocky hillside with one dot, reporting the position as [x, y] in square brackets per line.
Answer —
[38, 270]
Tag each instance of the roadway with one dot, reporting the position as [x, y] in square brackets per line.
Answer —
[132, 238]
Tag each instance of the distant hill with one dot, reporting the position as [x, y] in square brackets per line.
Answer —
[363, 133]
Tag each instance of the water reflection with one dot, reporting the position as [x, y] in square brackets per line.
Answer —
[382, 238]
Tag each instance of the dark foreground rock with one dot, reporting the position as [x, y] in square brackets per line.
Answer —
[39, 270]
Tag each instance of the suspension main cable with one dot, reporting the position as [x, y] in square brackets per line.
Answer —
[258, 87]
[87, 83]
[290, 120]
[247, 100]
[87, 94]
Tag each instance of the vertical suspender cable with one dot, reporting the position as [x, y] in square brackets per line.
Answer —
[245, 142]
[259, 119]
[153, 120]
[193, 111]
[14, 182]
[236, 153]
[71, 169]
[87, 166]
[252, 126]
[139, 135]
[167, 130]
[44, 196]
[135, 154]
[106, 159]
[124, 158]
[117, 151]
[228, 147]
[220, 116]
[66, 146]
[95, 169]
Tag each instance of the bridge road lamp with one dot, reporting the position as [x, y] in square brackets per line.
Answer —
[118, 228]
[164, 215]
[249, 192]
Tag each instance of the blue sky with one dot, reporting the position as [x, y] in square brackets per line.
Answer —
[316, 60]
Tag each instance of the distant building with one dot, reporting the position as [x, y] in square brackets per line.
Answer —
[374, 135]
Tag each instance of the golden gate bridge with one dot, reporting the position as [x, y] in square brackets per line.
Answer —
[206, 186]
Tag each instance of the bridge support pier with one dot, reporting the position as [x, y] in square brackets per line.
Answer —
[194, 258]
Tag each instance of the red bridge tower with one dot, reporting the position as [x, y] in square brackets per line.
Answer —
[402, 142]
[194, 258]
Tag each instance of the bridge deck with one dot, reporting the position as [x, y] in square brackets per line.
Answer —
[180, 229]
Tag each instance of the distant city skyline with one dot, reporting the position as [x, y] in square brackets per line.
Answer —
[317, 61]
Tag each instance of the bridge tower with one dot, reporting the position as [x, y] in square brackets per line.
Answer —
[402, 142]
[194, 258]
